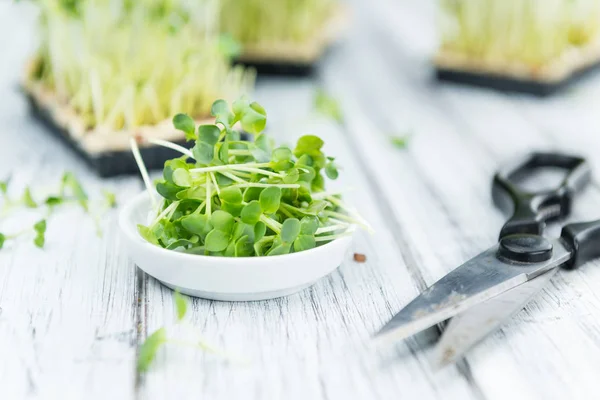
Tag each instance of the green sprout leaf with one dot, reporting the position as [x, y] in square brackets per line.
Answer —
[198, 224]
[240, 105]
[147, 234]
[28, 199]
[53, 201]
[309, 225]
[254, 119]
[231, 195]
[4, 186]
[72, 185]
[2, 240]
[40, 230]
[290, 230]
[244, 247]
[259, 231]
[217, 240]
[186, 124]
[280, 250]
[109, 198]
[282, 154]
[203, 152]
[180, 305]
[182, 177]
[327, 106]
[308, 144]
[251, 212]
[269, 199]
[148, 349]
[400, 142]
[209, 134]
[304, 242]
[223, 115]
[331, 170]
[222, 221]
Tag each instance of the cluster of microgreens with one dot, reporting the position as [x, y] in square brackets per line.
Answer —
[528, 32]
[264, 21]
[238, 198]
[122, 63]
[70, 192]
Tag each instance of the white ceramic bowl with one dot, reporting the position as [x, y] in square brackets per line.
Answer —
[226, 278]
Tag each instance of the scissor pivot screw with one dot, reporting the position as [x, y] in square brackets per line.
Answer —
[525, 248]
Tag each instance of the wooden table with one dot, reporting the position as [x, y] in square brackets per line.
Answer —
[72, 315]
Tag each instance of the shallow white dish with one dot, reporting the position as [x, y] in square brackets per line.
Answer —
[223, 278]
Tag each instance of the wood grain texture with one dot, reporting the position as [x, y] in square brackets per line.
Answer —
[73, 315]
[67, 319]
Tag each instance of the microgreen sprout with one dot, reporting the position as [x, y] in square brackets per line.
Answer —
[238, 198]
[159, 338]
[328, 106]
[400, 142]
[70, 192]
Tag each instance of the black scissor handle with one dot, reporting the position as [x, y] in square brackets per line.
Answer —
[531, 210]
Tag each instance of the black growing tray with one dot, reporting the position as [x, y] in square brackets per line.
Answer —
[109, 163]
[278, 68]
[508, 84]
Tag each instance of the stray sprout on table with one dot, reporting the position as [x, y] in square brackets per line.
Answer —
[400, 142]
[153, 343]
[70, 192]
[236, 198]
[328, 106]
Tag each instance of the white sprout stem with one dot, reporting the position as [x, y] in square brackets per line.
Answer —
[332, 237]
[266, 185]
[142, 167]
[172, 146]
[331, 228]
[347, 218]
[286, 212]
[323, 195]
[214, 181]
[232, 177]
[271, 223]
[240, 152]
[227, 167]
[246, 175]
[167, 211]
[257, 171]
[208, 198]
[200, 207]
[350, 210]
[336, 221]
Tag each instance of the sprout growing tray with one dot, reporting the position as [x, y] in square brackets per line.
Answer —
[553, 78]
[295, 59]
[106, 152]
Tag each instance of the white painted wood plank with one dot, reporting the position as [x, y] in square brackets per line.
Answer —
[488, 128]
[314, 344]
[67, 313]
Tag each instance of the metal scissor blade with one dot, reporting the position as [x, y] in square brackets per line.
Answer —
[479, 279]
[468, 328]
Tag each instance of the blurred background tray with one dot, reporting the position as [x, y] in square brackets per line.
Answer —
[509, 84]
[107, 163]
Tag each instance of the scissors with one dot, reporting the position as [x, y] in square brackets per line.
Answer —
[488, 289]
